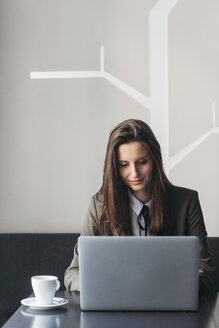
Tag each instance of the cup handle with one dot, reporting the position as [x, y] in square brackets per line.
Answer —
[58, 285]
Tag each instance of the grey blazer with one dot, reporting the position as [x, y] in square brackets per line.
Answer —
[188, 222]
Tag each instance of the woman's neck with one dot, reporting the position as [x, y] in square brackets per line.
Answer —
[142, 195]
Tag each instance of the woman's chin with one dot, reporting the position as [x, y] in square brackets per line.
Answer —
[137, 188]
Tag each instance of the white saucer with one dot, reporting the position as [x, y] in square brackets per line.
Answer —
[32, 304]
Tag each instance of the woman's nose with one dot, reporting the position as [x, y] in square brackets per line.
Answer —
[134, 172]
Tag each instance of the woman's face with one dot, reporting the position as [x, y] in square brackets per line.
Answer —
[135, 167]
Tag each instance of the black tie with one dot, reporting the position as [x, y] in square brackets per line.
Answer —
[146, 214]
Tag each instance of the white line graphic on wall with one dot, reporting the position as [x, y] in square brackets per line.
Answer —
[157, 102]
[130, 91]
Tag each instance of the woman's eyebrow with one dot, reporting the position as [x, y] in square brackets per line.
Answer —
[143, 157]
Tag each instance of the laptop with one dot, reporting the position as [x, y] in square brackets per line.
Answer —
[139, 273]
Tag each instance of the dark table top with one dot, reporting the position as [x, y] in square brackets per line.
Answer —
[70, 315]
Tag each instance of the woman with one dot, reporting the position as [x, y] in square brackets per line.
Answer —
[133, 177]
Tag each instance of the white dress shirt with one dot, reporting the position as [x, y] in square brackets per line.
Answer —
[135, 207]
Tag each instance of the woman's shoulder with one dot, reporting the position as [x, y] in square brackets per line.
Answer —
[97, 200]
[177, 192]
[98, 197]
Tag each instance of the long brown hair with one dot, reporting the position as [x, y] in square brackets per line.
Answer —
[115, 217]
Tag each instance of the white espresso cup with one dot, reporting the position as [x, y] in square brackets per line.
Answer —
[44, 288]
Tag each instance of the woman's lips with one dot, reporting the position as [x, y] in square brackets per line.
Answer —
[135, 182]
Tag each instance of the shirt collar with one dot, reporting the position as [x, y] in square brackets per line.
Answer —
[136, 205]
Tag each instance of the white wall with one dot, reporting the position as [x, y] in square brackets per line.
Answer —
[53, 132]
[193, 101]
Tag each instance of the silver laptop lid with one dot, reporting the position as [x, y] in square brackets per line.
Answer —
[138, 273]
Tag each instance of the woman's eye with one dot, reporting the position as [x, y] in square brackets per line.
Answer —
[143, 162]
[123, 164]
